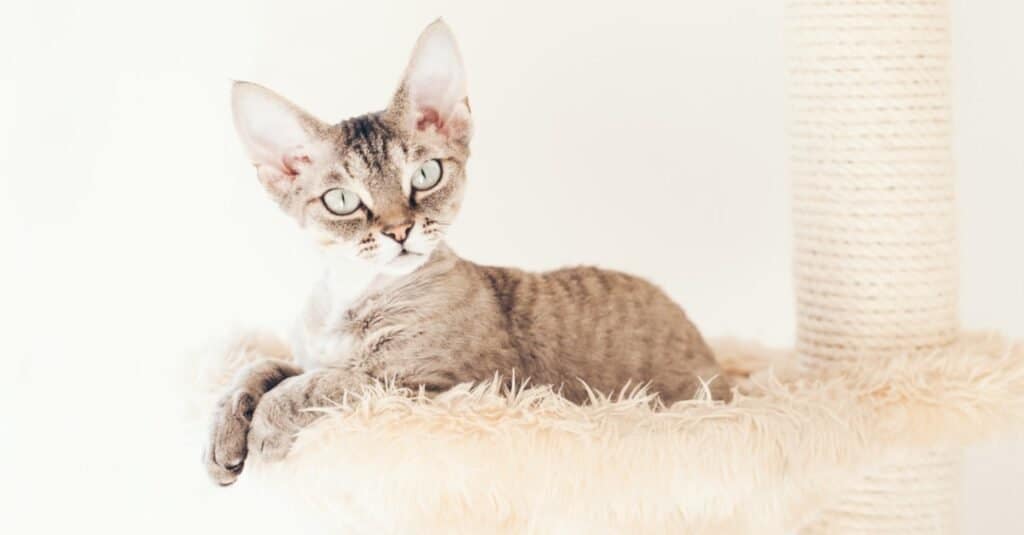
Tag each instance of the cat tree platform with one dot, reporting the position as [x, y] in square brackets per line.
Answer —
[481, 460]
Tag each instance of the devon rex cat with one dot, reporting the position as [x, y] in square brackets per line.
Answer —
[380, 190]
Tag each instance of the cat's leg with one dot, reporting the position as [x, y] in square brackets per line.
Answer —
[292, 405]
[227, 448]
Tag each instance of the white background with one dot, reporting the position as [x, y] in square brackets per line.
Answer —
[642, 136]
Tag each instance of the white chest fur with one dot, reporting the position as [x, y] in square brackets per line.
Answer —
[320, 338]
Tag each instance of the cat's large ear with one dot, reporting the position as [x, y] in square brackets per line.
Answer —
[280, 138]
[432, 95]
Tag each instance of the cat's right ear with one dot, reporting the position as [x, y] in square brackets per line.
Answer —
[432, 97]
[279, 137]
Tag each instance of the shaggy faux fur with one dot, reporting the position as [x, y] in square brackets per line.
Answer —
[479, 460]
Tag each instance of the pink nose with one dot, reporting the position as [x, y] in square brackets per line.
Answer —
[398, 232]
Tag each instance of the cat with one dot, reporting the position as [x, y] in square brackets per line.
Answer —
[380, 191]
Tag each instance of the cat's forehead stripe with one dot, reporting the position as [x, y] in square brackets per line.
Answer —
[368, 137]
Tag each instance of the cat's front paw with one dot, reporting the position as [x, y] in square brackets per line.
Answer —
[227, 448]
[280, 414]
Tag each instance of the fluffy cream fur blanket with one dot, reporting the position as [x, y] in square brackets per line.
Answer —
[479, 460]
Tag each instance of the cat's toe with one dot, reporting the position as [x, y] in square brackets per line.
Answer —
[270, 442]
[223, 473]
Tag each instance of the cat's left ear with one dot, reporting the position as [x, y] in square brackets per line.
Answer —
[433, 96]
[280, 138]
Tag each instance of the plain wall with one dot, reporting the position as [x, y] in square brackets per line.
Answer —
[642, 136]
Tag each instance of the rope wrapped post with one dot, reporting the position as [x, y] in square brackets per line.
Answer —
[873, 203]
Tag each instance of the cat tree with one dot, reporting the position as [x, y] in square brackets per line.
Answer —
[856, 431]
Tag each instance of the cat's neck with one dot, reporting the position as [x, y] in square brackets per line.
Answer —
[346, 281]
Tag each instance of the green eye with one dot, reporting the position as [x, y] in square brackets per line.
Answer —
[427, 176]
[341, 201]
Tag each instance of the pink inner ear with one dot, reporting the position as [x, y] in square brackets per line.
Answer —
[279, 178]
[429, 117]
[293, 160]
[274, 178]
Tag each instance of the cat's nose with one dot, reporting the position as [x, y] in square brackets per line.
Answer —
[398, 232]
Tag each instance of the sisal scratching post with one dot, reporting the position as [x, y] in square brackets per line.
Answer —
[873, 205]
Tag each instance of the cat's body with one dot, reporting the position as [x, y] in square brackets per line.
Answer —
[380, 190]
[453, 321]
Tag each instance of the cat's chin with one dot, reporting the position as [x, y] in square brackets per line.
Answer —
[405, 263]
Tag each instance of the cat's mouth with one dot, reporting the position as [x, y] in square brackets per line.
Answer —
[405, 262]
[405, 257]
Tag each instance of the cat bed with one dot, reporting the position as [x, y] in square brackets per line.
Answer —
[481, 460]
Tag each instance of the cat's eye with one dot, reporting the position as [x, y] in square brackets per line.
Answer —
[340, 201]
[427, 176]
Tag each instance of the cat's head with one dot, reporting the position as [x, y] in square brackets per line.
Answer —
[381, 188]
